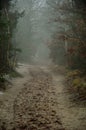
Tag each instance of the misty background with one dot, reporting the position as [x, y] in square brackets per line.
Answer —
[33, 30]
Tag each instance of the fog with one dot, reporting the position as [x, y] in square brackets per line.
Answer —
[33, 31]
[42, 65]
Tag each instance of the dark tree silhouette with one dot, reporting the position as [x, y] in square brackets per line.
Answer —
[80, 3]
[4, 4]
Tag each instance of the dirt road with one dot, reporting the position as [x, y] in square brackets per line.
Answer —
[38, 101]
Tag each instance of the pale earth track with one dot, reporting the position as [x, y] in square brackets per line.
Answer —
[38, 101]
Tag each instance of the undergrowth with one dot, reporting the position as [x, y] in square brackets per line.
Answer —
[76, 82]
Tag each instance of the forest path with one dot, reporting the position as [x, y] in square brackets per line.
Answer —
[39, 101]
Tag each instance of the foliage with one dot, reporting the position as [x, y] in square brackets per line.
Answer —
[15, 74]
[8, 50]
[76, 82]
[73, 73]
[71, 39]
[5, 44]
[57, 53]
